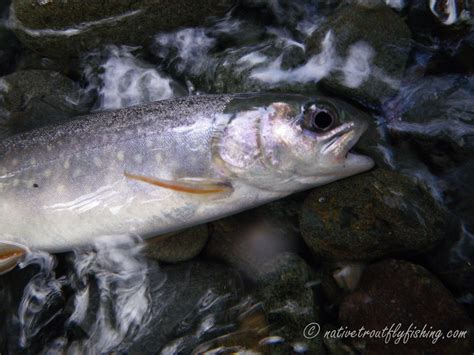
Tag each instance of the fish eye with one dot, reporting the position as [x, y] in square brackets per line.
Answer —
[318, 119]
[322, 120]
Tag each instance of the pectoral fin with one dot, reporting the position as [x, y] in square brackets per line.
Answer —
[190, 185]
[10, 255]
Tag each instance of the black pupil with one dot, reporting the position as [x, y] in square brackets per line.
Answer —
[322, 120]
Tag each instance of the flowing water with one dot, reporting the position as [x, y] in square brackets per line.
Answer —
[110, 298]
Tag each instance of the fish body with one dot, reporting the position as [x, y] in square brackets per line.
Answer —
[168, 165]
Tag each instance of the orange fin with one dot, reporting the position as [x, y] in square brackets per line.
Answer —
[190, 185]
[10, 255]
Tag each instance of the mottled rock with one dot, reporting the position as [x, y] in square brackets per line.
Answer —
[250, 239]
[34, 98]
[371, 47]
[395, 292]
[177, 247]
[370, 216]
[284, 288]
[58, 28]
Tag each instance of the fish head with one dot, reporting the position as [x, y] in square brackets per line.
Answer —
[294, 143]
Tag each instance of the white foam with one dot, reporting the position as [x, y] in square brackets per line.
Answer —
[119, 271]
[358, 63]
[192, 46]
[318, 67]
[127, 81]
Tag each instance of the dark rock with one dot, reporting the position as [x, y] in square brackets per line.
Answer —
[9, 51]
[176, 247]
[395, 292]
[284, 287]
[378, 37]
[437, 115]
[370, 216]
[36, 98]
[186, 297]
[250, 239]
[58, 29]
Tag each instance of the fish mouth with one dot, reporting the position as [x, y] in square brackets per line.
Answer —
[339, 144]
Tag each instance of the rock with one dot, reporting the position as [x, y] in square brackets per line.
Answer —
[369, 216]
[436, 115]
[9, 50]
[177, 247]
[395, 292]
[35, 98]
[289, 301]
[188, 300]
[371, 45]
[250, 239]
[58, 29]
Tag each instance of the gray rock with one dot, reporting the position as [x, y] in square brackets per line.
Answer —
[34, 98]
[177, 247]
[288, 299]
[395, 292]
[58, 29]
[370, 216]
[379, 41]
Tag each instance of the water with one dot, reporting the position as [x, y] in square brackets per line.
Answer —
[110, 297]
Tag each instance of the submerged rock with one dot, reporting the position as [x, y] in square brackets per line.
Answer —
[187, 300]
[58, 29]
[370, 216]
[176, 247]
[284, 287]
[437, 115]
[364, 50]
[394, 292]
[35, 98]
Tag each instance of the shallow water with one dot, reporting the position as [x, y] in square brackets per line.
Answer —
[111, 297]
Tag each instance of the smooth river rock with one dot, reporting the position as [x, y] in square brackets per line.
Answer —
[67, 28]
[372, 44]
[177, 247]
[34, 98]
[394, 292]
[371, 215]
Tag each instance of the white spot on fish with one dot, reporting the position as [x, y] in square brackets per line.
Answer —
[47, 173]
[16, 182]
[61, 188]
[97, 162]
[138, 158]
[33, 161]
[67, 164]
[76, 173]
[158, 158]
[49, 148]
[120, 156]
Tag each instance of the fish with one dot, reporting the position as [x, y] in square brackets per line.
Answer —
[153, 169]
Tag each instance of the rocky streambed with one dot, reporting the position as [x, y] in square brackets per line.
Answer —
[391, 246]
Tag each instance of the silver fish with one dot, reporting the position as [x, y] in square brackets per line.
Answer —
[168, 165]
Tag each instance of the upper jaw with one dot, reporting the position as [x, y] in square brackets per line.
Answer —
[340, 140]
